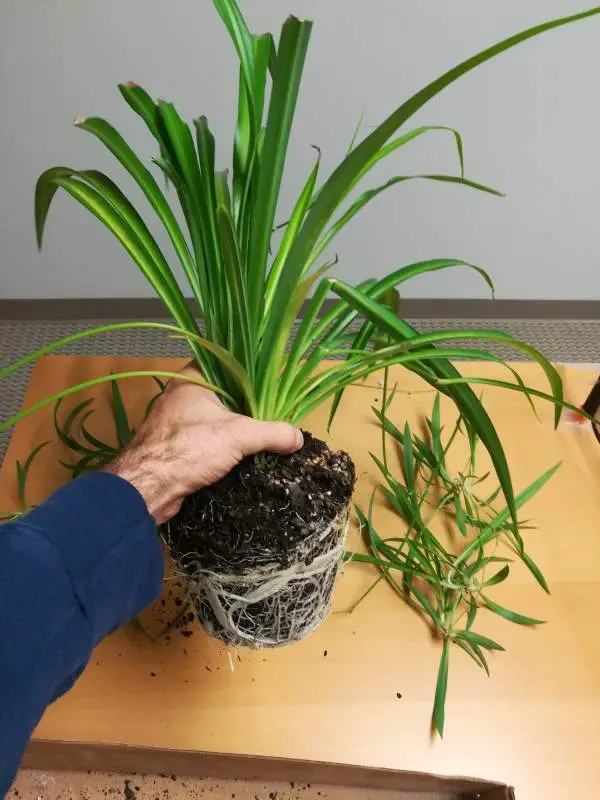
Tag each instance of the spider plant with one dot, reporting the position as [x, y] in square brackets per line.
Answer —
[248, 284]
[445, 581]
[91, 452]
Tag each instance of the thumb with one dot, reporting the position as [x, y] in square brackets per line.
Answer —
[274, 437]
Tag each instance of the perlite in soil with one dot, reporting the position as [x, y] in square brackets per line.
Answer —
[262, 548]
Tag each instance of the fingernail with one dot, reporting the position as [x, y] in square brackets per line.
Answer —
[299, 439]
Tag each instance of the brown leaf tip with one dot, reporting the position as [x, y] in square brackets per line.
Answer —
[131, 85]
[79, 120]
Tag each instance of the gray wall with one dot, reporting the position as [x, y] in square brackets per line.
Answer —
[530, 121]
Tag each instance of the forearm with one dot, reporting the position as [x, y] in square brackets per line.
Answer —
[73, 570]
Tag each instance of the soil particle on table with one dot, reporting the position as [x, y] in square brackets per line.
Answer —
[268, 508]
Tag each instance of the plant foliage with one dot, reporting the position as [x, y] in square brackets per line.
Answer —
[250, 286]
[89, 451]
[23, 470]
[447, 582]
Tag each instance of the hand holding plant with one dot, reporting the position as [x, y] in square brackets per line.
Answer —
[249, 288]
[190, 441]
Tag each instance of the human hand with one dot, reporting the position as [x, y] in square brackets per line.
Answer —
[191, 440]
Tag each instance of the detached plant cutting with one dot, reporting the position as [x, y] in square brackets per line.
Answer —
[261, 550]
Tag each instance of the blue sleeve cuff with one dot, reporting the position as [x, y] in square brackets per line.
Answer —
[108, 543]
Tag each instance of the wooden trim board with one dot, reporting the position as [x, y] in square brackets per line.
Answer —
[43, 754]
[118, 308]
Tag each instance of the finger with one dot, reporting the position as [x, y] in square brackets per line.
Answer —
[255, 436]
[191, 368]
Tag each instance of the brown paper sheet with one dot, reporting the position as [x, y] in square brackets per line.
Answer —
[535, 724]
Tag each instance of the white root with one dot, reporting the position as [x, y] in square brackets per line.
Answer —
[269, 606]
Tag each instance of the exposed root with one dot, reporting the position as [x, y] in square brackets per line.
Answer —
[265, 605]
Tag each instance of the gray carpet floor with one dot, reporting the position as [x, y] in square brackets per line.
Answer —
[559, 340]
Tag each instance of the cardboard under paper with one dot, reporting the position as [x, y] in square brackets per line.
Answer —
[328, 708]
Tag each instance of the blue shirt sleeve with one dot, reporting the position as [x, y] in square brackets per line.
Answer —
[74, 569]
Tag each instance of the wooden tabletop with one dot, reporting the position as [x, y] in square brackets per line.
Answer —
[535, 724]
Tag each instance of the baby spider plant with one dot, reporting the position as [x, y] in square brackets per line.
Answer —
[90, 452]
[250, 282]
[447, 580]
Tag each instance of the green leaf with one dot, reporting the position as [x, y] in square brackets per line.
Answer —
[511, 616]
[479, 640]
[64, 431]
[287, 75]
[293, 226]
[23, 474]
[474, 652]
[403, 140]
[484, 334]
[45, 189]
[123, 431]
[366, 198]
[222, 189]
[147, 183]
[249, 136]
[339, 317]
[472, 613]
[407, 459]
[468, 403]
[355, 133]
[426, 603]
[391, 300]
[4, 426]
[534, 569]
[264, 51]
[151, 403]
[126, 224]
[502, 516]
[460, 517]
[241, 342]
[359, 342]
[499, 577]
[196, 212]
[344, 176]
[240, 36]
[142, 103]
[441, 688]
[206, 156]
[389, 426]
[232, 366]
[102, 447]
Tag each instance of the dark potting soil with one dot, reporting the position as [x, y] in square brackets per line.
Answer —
[259, 514]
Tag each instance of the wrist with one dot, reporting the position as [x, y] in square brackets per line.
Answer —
[147, 474]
